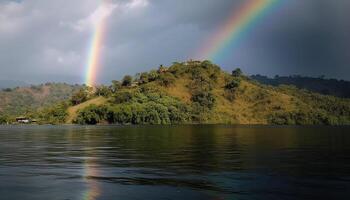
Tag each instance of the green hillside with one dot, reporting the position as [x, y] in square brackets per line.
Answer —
[25, 100]
[200, 92]
[73, 111]
[183, 93]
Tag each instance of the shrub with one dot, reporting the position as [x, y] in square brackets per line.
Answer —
[304, 117]
[149, 113]
[153, 75]
[7, 90]
[92, 115]
[167, 79]
[237, 72]
[103, 91]
[149, 108]
[127, 80]
[178, 115]
[116, 86]
[119, 114]
[144, 78]
[281, 118]
[232, 84]
[3, 119]
[55, 114]
[80, 96]
[204, 98]
[123, 96]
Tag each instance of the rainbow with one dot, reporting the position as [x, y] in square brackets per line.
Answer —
[237, 24]
[90, 172]
[95, 49]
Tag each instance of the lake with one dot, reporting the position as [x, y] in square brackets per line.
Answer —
[174, 162]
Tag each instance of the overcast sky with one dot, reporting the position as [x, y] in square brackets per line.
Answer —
[48, 40]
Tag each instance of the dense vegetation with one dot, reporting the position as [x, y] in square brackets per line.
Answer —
[192, 92]
[339, 88]
[28, 101]
[55, 114]
[3, 119]
[200, 92]
[141, 109]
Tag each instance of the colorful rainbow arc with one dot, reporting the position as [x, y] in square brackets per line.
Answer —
[94, 52]
[236, 25]
[93, 65]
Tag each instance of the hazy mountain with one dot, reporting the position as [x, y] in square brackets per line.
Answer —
[21, 100]
[339, 88]
[11, 84]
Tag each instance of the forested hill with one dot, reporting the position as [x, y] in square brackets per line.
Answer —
[200, 92]
[183, 93]
[339, 88]
[24, 100]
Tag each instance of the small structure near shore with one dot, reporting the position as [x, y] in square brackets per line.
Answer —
[23, 120]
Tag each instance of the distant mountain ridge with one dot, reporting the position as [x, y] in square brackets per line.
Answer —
[333, 87]
[12, 83]
[21, 100]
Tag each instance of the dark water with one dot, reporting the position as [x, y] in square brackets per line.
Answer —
[183, 162]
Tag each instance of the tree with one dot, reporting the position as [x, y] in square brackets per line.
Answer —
[162, 69]
[123, 96]
[232, 85]
[204, 98]
[116, 85]
[207, 63]
[127, 80]
[237, 72]
[144, 78]
[153, 75]
[3, 119]
[7, 90]
[103, 91]
[92, 115]
[80, 96]
[54, 114]
[167, 79]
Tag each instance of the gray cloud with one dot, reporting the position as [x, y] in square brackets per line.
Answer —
[45, 40]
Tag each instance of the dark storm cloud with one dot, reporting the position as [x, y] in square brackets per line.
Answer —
[42, 40]
[299, 37]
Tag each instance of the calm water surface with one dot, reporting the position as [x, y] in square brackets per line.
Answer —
[179, 162]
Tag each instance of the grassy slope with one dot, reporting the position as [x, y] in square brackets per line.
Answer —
[73, 110]
[253, 102]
